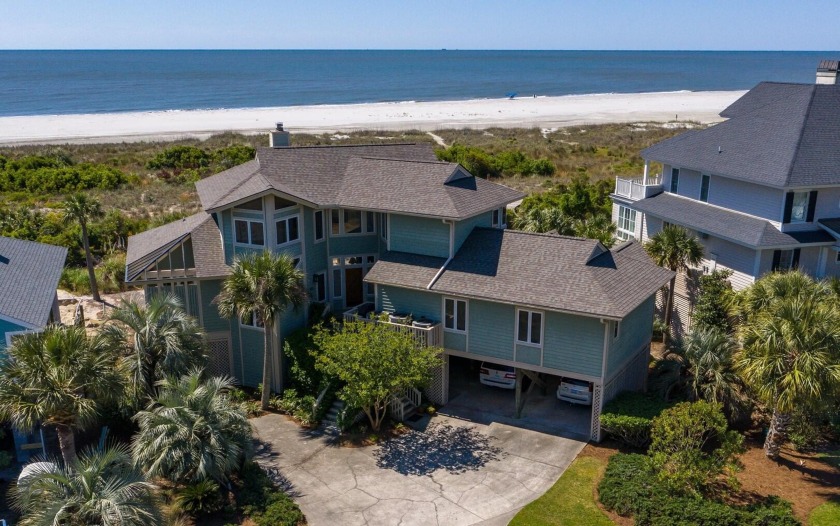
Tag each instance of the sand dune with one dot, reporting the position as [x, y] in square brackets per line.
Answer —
[543, 112]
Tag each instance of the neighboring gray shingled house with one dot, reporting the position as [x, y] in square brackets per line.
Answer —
[760, 190]
[29, 274]
[390, 228]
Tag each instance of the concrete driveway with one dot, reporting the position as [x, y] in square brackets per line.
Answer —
[454, 472]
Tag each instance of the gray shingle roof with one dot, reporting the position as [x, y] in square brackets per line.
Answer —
[740, 228]
[538, 270]
[394, 177]
[778, 134]
[147, 247]
[29, 274]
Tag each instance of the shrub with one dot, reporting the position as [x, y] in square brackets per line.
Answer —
[300, 348]
[629, 481]
[52, 175]
[201, 498]
[233, 155]
[691, 446]
[629, 417]
[263, 502]
[179, 157]
[280, 510]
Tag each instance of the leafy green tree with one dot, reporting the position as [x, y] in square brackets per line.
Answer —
[374, 361]
[233, 155]
[192, 431]
[714, 303]
[791, 347]
[266, 284]
[58, 377]
[677, 250]
[101, 487]
[153, 342]
[179, 157]
[691, 446]
[84, 209]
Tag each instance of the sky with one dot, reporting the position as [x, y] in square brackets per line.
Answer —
[425, 24]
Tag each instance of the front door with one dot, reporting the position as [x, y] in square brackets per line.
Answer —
[355, 286]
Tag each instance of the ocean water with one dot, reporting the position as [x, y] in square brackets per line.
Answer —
[65, 82]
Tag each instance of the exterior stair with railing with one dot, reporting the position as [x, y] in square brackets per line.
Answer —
[330, 422]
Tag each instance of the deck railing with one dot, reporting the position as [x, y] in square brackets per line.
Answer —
[637, 188]
[424, 336]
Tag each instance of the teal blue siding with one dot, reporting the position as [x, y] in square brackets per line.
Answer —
[212, 321]
[463, 228]
[227, 236]
[252, 345]
[353, 245]
[6, 327]
[419, 235]
[491, 329]
[455, 341]
[252, 214]
[316, 253]
[417, 303]
[236, 350]
[291, 321]
[573, 343]
[635, 331]
[528, 354]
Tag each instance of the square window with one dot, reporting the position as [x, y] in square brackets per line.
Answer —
[529, 327]
[352, 221]
[257, 233]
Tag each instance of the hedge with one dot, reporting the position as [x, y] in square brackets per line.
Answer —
[629, 417]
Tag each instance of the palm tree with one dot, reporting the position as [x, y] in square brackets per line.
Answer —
[102, 487]
[675, 249]
[57, 378]
[82, 209]
[153, 341]
[790, 347]
[192, 431]
[711, 355]
[265, 284]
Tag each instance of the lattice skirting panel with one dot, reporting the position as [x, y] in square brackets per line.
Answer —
[438, 389]
[218, 350]
[631, 378]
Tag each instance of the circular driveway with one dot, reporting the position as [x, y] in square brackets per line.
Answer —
[453, 472]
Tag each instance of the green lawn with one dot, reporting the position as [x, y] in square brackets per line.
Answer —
[570, 501]
[827, 514]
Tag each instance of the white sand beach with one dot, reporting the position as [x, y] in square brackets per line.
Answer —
[545, 112]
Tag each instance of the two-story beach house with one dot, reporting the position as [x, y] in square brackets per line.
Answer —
[389, 228]
[761, 190]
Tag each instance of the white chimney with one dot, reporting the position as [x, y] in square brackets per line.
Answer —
[278, 137]
[827, 72]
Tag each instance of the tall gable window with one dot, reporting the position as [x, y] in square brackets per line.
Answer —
[529, 327]
[249, 232]
[800, 207]
[675, 180]
[288, 230]
[704, 188]
[319, 225]
[255, 204]
[455, 315]
[626, 223]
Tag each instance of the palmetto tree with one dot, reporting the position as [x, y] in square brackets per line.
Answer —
[192, 431]
[153, 341]
[711, 355]
[101, 487]
[552, 219]
[790, 347]
[266, 284]
[57, 378]
[677, 250]
[82, 209]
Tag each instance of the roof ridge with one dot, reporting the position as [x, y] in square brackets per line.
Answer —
[375, 158]
[539, 234]
[327, 146]
[801, 133]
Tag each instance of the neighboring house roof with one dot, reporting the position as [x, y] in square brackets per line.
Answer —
[740, 228]
[146, 248]
[778, 134]
[403, 178]
[537, 270]
[29, 274]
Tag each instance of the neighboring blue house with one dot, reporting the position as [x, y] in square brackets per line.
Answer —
[761, 190]
[390, 228]
[29, 274]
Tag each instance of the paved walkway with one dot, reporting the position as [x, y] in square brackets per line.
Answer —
[453, 473]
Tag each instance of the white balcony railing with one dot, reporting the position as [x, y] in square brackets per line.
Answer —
[428, 334]
[637, 188]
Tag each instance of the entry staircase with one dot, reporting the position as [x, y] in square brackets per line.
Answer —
[404, 404]
[330, 421]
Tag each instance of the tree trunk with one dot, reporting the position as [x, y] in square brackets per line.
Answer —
[67, 443]
[266, 379]
[89, 260]
[669, 307]
[777, 435]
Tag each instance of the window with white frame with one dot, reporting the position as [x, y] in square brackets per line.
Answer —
[799, 210]
[319, 286]
[837, 257]
[288, 230]
[675, 180]
[383, 225]
[348, 222]
[529, 327]
[455, 315]
[626, 226]
[499, 218]
[319, 225]
[248, 232]
[705, 180]
[253, 321]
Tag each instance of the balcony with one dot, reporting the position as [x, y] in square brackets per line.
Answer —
[425, 333]
[639, 187]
